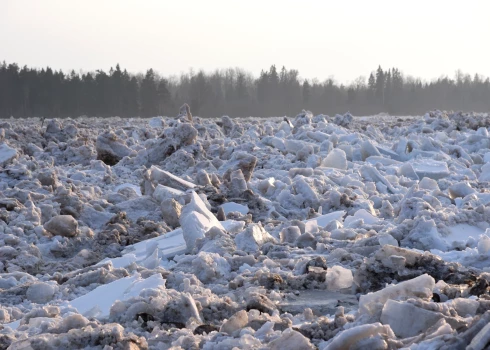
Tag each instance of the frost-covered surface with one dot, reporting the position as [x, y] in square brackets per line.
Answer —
[183, 233]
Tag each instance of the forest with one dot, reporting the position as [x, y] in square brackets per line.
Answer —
[33, 92]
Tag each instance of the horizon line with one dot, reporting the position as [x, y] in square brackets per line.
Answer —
[81, 71]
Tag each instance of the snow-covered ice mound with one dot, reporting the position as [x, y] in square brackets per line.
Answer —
[282, 233]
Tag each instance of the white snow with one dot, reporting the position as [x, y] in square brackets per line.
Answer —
[462, 232]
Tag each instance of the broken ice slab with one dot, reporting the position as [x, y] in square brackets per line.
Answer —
[382, 160]
[466, 237]
[339, 278]
[156, 122]
[481, 340]
[368, 150]
[98, 302]
[460, 190]
[407, 170]
[311, 227]
[432, 169]
[385, 253]
[484, 198]
[364, 215]
[408, 320]
[355, 335]
[275, 142]
[469, 257]
[94, 219]
[318, 136]
[121, 262]
[135, 208]
[304, 189]
[164, 192]
[294, 146]
[234, 207]
[169, 245]
[136, 188]
[486, 157]
[462, 232]
[336, 159]
[420, 287]
[369, 172]
[163, 177]
[485, 173]
[253, 238]
[7, 154]
[387, 152]
[196, 220]
[242, 161]
[321, 302]
[232, 226]
[291, 340]
[349, 138]
[324, 220]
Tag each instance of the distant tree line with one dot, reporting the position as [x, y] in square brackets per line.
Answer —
[27, 92]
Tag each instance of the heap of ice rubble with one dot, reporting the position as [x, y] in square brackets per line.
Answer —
[185, 233]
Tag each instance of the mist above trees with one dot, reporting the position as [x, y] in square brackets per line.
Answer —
[29, 92]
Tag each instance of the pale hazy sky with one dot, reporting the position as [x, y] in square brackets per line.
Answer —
[342, 38]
